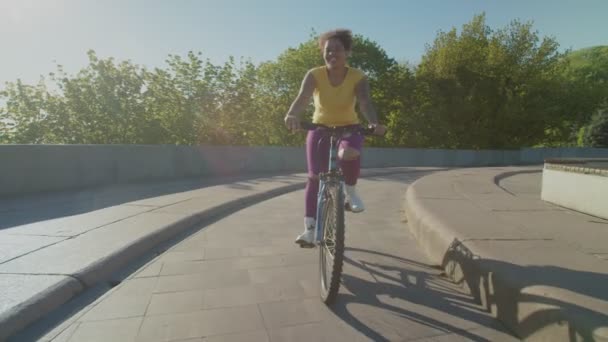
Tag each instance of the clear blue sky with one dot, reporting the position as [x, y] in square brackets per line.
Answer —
[34, 33]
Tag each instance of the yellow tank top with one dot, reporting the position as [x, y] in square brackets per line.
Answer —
[335, 105]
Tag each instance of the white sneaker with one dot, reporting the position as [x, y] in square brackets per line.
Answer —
[306, 238]
[353, 199]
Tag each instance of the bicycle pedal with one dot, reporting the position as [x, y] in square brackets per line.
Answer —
[306, 245]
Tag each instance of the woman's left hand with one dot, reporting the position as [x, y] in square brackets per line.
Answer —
[378, 129]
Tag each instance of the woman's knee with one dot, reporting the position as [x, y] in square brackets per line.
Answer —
[348, 154]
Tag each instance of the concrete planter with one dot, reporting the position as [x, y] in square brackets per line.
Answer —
[578, 184]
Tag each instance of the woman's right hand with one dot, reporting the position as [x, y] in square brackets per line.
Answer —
[292, 122]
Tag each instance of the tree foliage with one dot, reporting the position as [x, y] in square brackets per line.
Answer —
[484, 88]
[474, 88]
[596, 133]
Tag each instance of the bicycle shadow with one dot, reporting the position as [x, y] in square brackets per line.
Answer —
[499, 285]
[400, 280]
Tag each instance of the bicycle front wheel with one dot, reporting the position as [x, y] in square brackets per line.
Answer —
[331, 251]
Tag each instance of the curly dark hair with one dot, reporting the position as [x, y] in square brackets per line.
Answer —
[345, 36]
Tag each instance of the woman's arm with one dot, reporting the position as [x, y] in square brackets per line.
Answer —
[365, 102]
[292, 119]
[303, 99]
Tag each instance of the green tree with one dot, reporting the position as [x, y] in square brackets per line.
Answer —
[394, 96]
[587, 75]
[177, 99]
[596, 133]
[6, 129]
[488, 89]
[477, 88]
[102, 103]
[235, 119]
[24, 118]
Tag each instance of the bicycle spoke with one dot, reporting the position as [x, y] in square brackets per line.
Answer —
[330, 253]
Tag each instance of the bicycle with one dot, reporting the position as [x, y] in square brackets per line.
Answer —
[329, 229]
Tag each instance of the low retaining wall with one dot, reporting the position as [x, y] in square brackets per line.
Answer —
[37, 168]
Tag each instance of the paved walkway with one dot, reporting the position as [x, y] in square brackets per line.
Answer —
[540, 268]
[243, 279]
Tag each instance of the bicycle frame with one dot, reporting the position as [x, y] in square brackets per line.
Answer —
[332, 175]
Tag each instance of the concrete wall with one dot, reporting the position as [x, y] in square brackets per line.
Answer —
[37, 168]
[385, 157]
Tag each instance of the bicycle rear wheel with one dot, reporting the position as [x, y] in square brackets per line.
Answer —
[331, 251]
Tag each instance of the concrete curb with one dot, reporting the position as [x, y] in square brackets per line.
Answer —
[102, 270]
[33, 308]
[507, 297]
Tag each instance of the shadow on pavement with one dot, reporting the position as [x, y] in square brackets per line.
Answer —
[500, 285]
[40, 207]
[411, 281]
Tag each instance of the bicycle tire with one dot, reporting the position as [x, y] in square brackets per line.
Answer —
[333, 239]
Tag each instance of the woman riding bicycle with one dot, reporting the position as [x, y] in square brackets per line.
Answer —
[335, 88]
